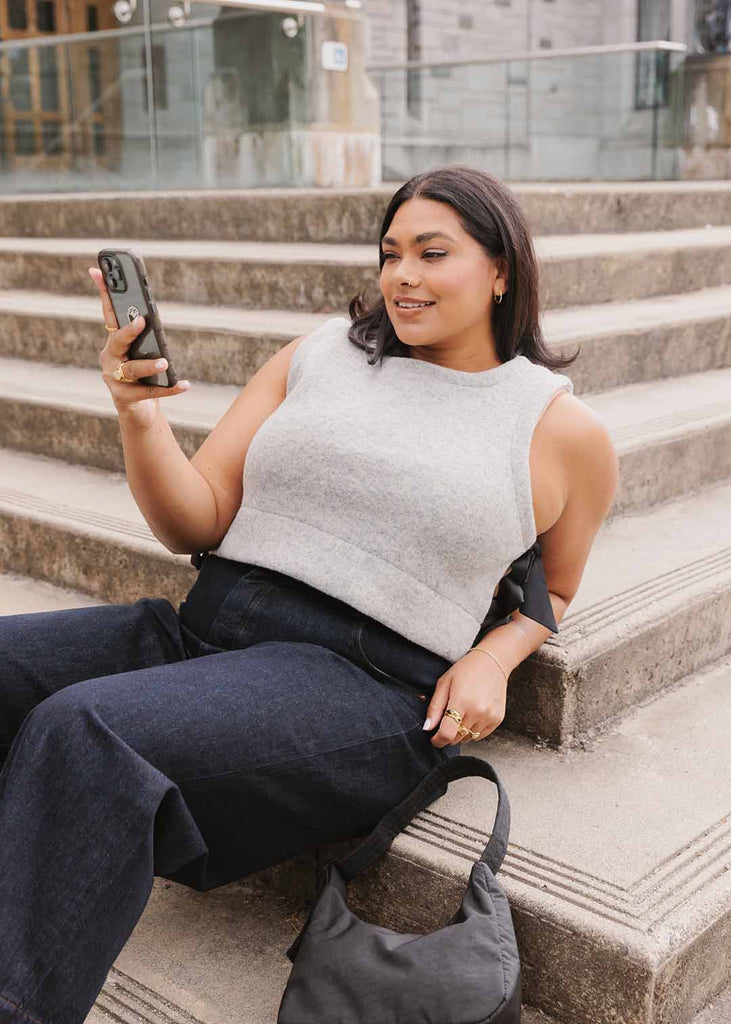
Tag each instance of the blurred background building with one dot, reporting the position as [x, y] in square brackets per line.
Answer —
[126, 94]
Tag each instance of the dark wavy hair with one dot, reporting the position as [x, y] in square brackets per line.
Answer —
[491, 213]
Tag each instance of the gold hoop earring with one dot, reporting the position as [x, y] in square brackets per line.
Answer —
[498, 297]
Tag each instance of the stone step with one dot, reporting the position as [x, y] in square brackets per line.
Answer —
[652, 606]
[351, 215]
[621, 342]
[20, 595]
[321, 277]
[617, 873]
[67, 412]
[216, 344]
[618, 870]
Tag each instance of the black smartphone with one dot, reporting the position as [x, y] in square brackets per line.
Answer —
[129, 289]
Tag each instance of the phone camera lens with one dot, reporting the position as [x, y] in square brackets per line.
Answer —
[106, 264]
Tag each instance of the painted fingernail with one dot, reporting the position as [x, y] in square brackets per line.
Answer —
[427, 724]
[161, 364]
[137, 321]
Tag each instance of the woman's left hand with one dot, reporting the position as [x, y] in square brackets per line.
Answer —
[476, 688]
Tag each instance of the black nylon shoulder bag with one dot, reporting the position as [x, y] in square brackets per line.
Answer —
[348, 971]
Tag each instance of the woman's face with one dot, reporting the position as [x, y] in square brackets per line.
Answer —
[449, 269]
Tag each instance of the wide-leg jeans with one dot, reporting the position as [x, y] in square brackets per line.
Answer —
[259, 718]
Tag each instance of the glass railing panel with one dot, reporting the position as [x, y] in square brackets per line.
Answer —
[596, 114]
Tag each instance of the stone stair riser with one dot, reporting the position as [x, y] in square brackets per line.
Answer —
[85, 438]
[658, 471]
[322, 287]
[562, 701]
[341, 217]
[200, 354]
[219, 356]
[92, 563]
[619, 276]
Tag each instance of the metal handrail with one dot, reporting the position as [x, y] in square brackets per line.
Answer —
[104, 33]
[576, 51]
[52, 39]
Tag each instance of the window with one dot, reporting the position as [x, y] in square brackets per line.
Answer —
[45, 15]
[25, 141]
[20, 97]
[92, 18]
[49, 78]
[17, 17]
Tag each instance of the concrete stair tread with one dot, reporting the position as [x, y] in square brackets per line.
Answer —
[650, 559]
[634, 242]
[20, 595]
[635, 415]
[79, 387]
[547, 246]
[213, 958]
[182, 249]
[83, 499]
[606, 318]
[596, 319]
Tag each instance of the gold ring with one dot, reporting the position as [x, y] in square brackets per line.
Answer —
[463, 728]
[119, 374]
[452, 713]
[110, 329]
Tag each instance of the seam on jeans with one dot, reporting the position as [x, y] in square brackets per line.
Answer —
[367, 660]
[241, 627]
[20, 1009]
[234, 586]
[300, 757]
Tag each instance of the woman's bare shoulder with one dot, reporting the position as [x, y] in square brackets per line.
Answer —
[585, 453]
[576, 429]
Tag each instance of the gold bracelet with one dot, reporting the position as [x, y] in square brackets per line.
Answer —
[482, 649]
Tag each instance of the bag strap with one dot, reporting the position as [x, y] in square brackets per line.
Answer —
[434, 784]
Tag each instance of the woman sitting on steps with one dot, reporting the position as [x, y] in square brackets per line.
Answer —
[334, 646]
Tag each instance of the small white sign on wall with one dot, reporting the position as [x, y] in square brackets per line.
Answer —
[334, 56]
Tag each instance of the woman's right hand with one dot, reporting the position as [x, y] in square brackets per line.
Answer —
[137, 401]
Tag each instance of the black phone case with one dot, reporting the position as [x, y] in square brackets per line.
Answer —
[137, 299]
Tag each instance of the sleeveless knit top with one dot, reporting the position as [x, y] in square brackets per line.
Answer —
[402, 489]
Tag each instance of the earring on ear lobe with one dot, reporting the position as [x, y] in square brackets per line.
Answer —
[498, 297]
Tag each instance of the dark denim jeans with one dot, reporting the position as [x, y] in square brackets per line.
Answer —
[259, 719]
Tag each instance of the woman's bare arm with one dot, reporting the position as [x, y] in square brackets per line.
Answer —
[590, 472]
[189, 504]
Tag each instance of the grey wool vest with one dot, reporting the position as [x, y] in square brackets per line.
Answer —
[402, 489]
